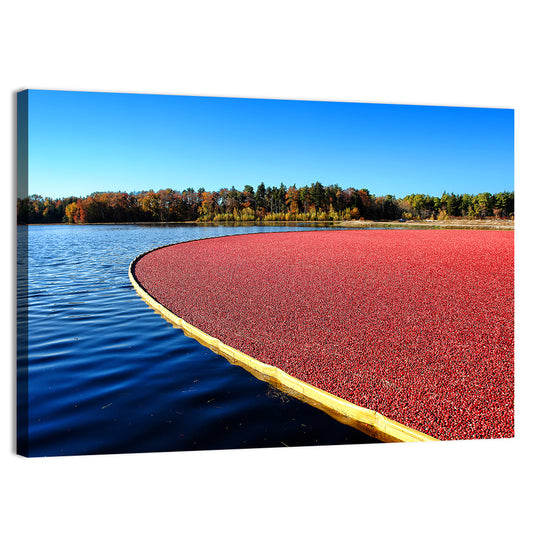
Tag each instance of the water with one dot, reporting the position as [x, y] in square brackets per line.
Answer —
[105, 374]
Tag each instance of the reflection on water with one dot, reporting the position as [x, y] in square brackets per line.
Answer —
[106, 374]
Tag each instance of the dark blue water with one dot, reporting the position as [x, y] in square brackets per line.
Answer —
[105, 374]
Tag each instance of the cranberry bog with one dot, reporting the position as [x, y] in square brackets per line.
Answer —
[411, 328]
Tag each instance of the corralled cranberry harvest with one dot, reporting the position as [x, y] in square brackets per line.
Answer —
[417, 325]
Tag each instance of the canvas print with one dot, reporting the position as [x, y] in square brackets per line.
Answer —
[213, 273]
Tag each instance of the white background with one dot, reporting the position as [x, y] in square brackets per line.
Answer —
[411, 52]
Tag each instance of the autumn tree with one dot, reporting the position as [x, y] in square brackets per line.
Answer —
[72, 213]
[291, 199]
[149, 203]
[248, 197]
[209, 207]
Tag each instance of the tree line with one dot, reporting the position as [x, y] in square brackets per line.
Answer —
[308, 203]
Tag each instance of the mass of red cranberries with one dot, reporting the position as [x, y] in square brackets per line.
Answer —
[415, 324]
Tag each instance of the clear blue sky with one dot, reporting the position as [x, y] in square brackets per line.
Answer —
[82, 142]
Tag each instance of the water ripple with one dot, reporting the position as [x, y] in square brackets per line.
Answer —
[106, 374]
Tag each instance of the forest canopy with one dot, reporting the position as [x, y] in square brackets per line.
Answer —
[308, 203]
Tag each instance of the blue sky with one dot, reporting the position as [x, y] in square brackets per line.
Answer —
[82, 142]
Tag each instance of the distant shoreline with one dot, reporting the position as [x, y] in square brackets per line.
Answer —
[460, 223]
[463, 223]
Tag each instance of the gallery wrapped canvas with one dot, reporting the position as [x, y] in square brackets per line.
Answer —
[360, 255]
